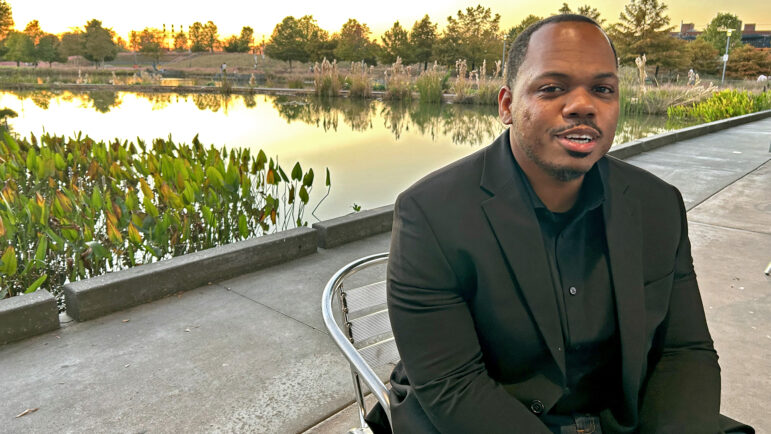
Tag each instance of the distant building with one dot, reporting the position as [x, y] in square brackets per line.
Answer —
[756, 38]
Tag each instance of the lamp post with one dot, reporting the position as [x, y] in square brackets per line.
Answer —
[725, 56]
[503, 55]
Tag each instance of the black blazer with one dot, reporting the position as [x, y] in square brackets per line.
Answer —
[475, 318]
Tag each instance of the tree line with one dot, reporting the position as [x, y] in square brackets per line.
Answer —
[473, 34]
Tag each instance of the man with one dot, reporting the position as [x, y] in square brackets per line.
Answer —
[538, 286]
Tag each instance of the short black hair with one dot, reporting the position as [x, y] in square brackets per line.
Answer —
[518, 49]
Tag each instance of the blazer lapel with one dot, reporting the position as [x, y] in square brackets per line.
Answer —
[516, 227]
[623, 231]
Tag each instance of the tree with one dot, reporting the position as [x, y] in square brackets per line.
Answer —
[72, 44]
[644, 29]
[353, 43]
[565, 9]
[34, 31]
[148, 42]
[704, 57]
[315, 40]
[20, 48]
[748, 62]
[396, 43]
[196, 34]
[6, 19]
[717, 38]
[513, 32]
[286, 42]
[242, 43]
[47, 50]
[98, 45]
[210, 36]
[180, 42]
[473, 35]
[422, 40]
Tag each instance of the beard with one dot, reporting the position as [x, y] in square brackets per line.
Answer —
[560, 173]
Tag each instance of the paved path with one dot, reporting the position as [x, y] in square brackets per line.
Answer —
[251, 354]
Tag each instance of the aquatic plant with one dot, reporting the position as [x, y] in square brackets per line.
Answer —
[724, 104]
[74, 208]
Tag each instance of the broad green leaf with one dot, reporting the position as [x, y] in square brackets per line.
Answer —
[283, 174]
[297, 172]
[36, 284]
[11, 142]
[98, 250]
[9, 262]
[304, 195]
[42, 249]
[96, 200]
[261, 160]
[328, 181]
[150, 207]
[2, 227]
[31, 160]
[242, 226]
[308, 178]
[214, 177]
[134, 235]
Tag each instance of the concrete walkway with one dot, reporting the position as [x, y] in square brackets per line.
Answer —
[251, 354]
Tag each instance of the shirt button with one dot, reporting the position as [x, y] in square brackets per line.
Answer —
[536, 407]
[573, 290]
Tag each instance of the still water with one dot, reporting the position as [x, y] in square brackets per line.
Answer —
[373, 149]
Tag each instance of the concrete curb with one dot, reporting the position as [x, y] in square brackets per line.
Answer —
[649, 143]
[356, 226]
[27, 315]
[91, 298]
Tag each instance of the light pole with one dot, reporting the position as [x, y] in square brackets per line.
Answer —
[503, 55]
[725, 56]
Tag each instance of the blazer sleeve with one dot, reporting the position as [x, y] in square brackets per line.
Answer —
[683, 388]
[436, 337]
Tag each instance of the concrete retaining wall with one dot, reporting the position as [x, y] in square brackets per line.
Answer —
[91, 298]
[649, 143]
[27, 315]
[351, 227]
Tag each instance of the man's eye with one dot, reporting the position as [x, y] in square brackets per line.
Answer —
[604, 89]
[550, 89]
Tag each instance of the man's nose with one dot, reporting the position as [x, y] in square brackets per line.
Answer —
[579, 104]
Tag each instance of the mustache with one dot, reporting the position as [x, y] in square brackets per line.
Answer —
[588, 123]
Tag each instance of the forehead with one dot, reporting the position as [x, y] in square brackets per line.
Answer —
[569, 47]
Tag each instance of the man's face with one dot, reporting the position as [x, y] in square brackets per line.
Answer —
[564, 107]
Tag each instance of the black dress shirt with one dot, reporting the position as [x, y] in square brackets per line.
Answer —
[577, 255]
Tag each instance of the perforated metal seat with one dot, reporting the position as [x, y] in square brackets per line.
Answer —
[357, 319]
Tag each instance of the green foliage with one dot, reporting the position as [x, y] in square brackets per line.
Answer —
[717, 38]
[644, 29]
[396, 44]
[47, 50]
[75, 208]
[6, 19]
[203, 37]
[287, 43]
[20, 48]
[585, 10]
[473, 35]
[354, 44]
[430, 85]
[704, 57]
[724, 104]
[148, 42]
[422, 39]
[98, 45]
[241, 43]
[72, 44]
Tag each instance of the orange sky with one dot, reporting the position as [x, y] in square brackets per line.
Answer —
[58, 16]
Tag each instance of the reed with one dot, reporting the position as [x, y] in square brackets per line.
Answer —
[430, 85]
[398, 83]
[326, 79]
[361, 84]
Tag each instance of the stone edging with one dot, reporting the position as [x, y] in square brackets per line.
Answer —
[649, 143]
[28, 315]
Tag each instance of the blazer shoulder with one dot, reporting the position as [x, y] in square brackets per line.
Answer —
[645, 184]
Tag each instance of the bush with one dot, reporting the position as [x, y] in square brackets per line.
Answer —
[430, 85]
[722, 105]
[75, 208]
[326, 79]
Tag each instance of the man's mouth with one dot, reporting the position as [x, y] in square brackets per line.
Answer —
[579, 139]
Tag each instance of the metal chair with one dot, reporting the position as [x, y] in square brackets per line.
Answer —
[363, 331]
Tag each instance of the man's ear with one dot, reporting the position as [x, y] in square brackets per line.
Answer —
[504, 105]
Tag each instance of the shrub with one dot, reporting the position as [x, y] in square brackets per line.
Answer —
[326, 79]
[75, 208]
[398, 84]
[430, 85]
[724, 104]
[487, 88]
[461, 88]
[361, 85]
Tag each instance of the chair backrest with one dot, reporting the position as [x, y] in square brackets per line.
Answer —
[357, 320]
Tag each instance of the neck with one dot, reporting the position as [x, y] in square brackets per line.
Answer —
[556, 195]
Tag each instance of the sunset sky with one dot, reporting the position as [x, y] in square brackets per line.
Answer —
[58, 16]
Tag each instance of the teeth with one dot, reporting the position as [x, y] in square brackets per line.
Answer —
[579, 138]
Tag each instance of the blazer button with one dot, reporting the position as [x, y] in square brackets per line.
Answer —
[536, 407]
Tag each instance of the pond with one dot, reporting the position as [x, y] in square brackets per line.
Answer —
[373, 149]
